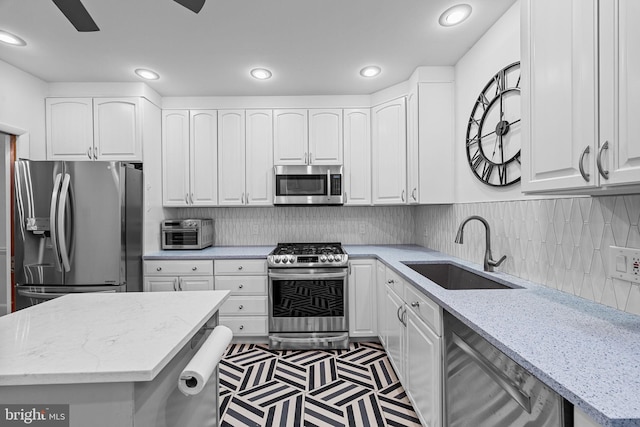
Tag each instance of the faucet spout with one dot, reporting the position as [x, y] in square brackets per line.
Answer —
[489, 262]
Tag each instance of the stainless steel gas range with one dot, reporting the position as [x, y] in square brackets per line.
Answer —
[308, 306]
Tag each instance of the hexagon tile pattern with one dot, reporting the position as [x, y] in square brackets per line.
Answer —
[561, 243]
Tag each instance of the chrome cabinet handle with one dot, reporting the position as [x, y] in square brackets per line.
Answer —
[415, 304]
[241, 307]
[398, 314]
[413, 194]
[585, 175]
[305, 158]
[241, 327]
[242, 199]
[402, 196]
[175, 284]
[159, 269]
[310, 158]
[246, 199]
[240, 286]
[180, 284]
[390, 281]
[89, 153]
[604, 173]
[191, 198]
[186, 198]
[95, 153]
[194, 268]
[240, 268]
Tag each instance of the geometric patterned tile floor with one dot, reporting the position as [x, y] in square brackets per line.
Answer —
[355, 387]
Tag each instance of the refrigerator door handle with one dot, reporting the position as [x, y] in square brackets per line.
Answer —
[62, 213]
[53, 220]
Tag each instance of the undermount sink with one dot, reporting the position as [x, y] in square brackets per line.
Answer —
[450, 276]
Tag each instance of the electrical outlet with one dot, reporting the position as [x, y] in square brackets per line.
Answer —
[426, 232]
[624, 263]
[362, 228]
[255, 229]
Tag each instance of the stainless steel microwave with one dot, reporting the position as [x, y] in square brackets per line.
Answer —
[186, 233]
[308, 185]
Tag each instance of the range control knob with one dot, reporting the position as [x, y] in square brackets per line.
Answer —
[337, 258]
[323, 258]
[276, 259]
[291, 259]
[330, 258]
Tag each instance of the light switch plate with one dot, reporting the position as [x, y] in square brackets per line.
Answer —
[624, 263]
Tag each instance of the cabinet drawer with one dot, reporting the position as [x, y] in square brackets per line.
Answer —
[424, 308]
[244, 306]
[178, 268]
[395, 282]
[240, 326]
[241, 266]
[242, 285]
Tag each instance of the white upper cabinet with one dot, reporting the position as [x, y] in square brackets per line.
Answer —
[619, 94]
[413, 165]
[103, 129]
[231, 157]
[259, 158]
[189, 158]
[389, 148]
[117, 130]
[290, 137]
[325, 137]
[306, 137]
[357, 156]
[579, 59]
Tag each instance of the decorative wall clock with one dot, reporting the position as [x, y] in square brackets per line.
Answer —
[494, 130]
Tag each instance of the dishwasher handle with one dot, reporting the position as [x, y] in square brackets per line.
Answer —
[496, 374]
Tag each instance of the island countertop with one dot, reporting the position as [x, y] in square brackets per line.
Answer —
[101, 337]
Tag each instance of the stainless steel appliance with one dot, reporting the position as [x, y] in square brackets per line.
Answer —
[308, 185]
[308, 305]
[187, 233]
[78, 228]
[485, 388]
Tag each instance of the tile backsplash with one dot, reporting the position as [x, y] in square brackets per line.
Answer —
[270, 225]
[561, 243]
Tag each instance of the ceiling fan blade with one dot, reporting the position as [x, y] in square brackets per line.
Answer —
[193, 5]
[76, 13]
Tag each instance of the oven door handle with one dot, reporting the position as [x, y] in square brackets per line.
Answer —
[307, 339]
[308, 276]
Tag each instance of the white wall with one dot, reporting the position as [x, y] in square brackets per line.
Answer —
[22, 110]
[498, 47]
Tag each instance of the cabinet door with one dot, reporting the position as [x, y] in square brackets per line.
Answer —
[195, 283]
[325, 137]
[160, 284]
[259, 157]
[394, 309]
[389, 147]
[560, 89]
[362, 299]
[204, 158]
[413, 165]
[175, 158]
[357, 157]
[69, 128]
[290, 137]
[117, 129]
[381, 271]
[619, 100]
[423, 370]
[435, 143]
[231, 157]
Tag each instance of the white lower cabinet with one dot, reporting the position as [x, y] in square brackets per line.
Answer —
[178, 275]
[362, 298]
[245, 312]
[412, 338]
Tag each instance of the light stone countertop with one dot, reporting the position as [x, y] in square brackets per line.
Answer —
[587, 352]
[101, 337]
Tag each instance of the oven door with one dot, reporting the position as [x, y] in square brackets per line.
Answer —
[308, 300]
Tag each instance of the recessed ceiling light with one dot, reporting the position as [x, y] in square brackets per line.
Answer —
[261, 73]
[370, 71]
[455, 15]
[11, 39]
[147, 74]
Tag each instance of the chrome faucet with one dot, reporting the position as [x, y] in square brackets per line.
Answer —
[489, 263]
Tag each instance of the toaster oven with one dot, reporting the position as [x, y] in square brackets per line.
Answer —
[186, 233]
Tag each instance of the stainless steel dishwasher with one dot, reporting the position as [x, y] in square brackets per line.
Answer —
[484, 387]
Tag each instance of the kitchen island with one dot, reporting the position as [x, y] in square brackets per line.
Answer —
[113, 358]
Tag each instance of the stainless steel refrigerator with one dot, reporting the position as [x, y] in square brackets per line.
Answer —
[77, 228]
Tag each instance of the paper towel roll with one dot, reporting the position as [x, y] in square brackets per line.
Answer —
[195, 375]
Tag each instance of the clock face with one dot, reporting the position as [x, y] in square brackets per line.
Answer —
[494, 130]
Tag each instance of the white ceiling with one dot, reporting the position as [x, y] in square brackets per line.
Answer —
[313, 47]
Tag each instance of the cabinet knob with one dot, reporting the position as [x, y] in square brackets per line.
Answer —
[240, 286]
[194, 268]
[240, 268]
[390, 281]
[159, 269]
[241, 327]
[241, 307]
[415, 304]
